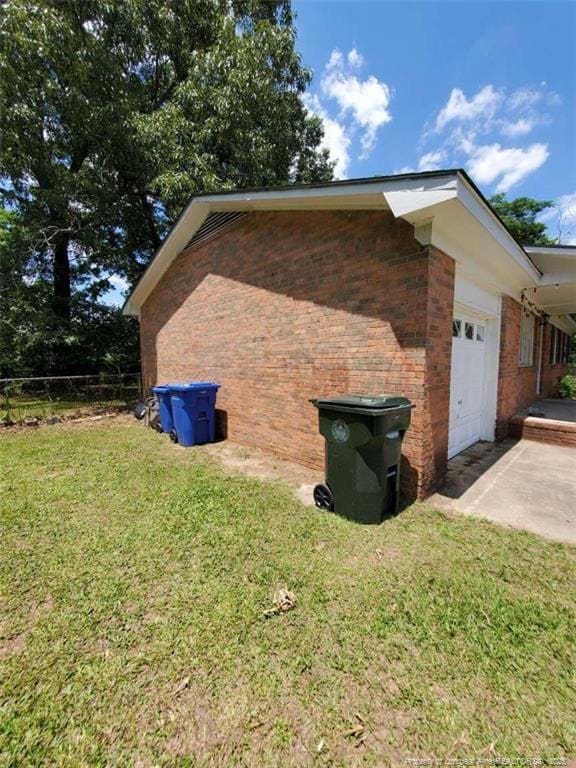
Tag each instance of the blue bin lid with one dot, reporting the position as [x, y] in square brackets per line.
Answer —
[161, 388]
[187, 386]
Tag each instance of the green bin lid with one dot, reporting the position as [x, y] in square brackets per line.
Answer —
[364, 401]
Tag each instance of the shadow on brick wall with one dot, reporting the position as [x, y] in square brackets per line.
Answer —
[221, 425]
[365, 307]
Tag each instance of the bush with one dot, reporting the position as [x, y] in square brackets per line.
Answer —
[567, 387]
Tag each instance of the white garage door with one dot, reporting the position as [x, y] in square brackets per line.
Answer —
[467, 382]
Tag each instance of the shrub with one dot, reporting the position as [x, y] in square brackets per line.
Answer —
[567, 387]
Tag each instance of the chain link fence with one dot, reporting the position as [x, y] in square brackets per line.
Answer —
[61, 397]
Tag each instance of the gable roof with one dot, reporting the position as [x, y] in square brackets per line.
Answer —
[445, 207]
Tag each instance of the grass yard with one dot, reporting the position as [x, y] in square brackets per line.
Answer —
[134, 578]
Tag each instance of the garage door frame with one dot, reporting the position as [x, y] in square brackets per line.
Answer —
[485, 309]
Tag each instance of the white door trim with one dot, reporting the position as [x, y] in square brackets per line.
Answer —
[490, 318]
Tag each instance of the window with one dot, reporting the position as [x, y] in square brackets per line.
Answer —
[526, 339]
[465, 329]
[559, 347]
[553, 340]
[568, 341]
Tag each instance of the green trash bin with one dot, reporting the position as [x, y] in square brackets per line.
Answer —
[363, 436]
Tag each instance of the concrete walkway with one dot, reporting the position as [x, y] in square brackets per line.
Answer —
[524, 484]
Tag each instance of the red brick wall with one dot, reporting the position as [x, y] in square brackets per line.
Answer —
[516, 383]
[285, 306]
[439, 315]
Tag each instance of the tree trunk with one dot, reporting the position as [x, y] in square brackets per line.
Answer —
[61, 272]
[150, 221]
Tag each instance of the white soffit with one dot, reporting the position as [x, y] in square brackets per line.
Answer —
[460, 223]
[556, 299]
[566, 323]
[557, 264]
[556, 293]
[405, 202]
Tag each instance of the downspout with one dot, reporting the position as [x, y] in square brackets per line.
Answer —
[542, 324]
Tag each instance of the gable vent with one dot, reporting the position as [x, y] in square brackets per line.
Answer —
[214, 224]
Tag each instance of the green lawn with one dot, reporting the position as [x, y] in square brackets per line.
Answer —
[134, 577]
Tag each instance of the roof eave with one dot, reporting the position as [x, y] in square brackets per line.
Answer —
[250, 199]
[427, 190]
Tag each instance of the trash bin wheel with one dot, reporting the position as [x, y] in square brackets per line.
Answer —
[323, 497]
[173, 436]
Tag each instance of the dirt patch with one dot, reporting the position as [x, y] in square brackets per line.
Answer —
[15, 643]
[86, 419]
[237, 459]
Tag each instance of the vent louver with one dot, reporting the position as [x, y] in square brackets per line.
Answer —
[214, 224]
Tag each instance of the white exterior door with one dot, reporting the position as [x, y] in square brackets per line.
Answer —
[467, 384]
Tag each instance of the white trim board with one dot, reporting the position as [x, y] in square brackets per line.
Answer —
[428, 196]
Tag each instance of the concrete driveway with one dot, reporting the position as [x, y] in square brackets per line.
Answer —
[523, 484]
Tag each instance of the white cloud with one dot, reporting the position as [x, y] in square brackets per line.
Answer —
[519, 127]
[458, 108]
[494, 110]
[355, 59]
[432, 161]
[473, 131]
[524, 98]
[118, 283]
[336, 59]
[367, 101]
[508, 166]
[336, 139]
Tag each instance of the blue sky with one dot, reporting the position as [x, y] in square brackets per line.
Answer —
[408, 85]
[421, 85]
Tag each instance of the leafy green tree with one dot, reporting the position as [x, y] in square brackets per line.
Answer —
[113, 112]
[520, 214]
[33, 340]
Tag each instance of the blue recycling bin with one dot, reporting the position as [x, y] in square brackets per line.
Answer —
[164, 407]
[194, 411]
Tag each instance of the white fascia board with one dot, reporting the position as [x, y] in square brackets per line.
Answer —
[478, 208]
[566, 252]
[189, 223]
[559, 278]
[335, 191]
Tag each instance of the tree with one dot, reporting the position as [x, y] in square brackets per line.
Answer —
[32, 338]
[519, 215]
[113, 112]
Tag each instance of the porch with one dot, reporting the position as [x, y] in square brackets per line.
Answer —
[546, 421]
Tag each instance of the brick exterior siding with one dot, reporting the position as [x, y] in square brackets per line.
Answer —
[285, 306]
[516, 383]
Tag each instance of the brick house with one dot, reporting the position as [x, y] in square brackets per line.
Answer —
[406, 284]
